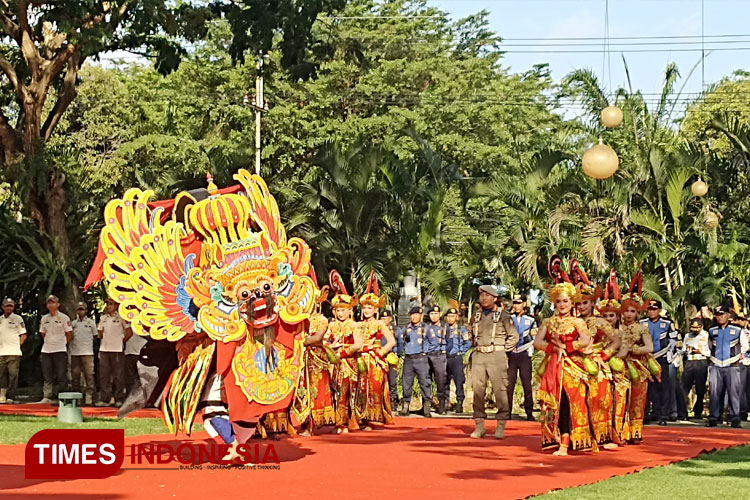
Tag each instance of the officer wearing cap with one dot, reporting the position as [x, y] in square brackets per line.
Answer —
[387, 318]
[664, 337]
[457, 343]
[695, 372]
[57, 332]
[410, 342]
[435, 344]
[724, 375]
[12, 337]
[519, 360]
[494, 335]
[81, 350]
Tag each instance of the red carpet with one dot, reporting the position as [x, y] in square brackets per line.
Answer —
[46, 410]
[418, 458]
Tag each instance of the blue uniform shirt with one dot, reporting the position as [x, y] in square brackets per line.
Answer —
[416, 342]
[664, 336]
[524, 325]
[457, 340]
[725, 345]
[435, 341]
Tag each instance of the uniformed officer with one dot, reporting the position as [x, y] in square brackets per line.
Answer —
[724, 375]
[664, 337]
[12, 337]
[57, 332]
[457, 343]
[519, 360]
[387, 318]
[696, 364]
[81, 351]
[410, 341]
[436, 345]
[493, 336]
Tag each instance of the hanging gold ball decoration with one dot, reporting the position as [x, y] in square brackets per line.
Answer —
[711, 220]
[600, 161]
[611, 117]
[699, 188]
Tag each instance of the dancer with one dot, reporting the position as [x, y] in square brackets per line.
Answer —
[214, 273]
[562, 390]
[316, 398]
[378, 341]
[637, 347]
[609, 308]
[605, 343]
[345, 339]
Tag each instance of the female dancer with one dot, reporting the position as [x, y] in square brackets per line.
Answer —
[562, 391]
[378, 341]
[605, 343]
[320, 363]
[637, 347]
[345, 339]
[609, 308]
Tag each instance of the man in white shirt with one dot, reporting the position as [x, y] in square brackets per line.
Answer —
[12, 337]
[113, 332]
[57, 332]
[695, 372]
[81, 350]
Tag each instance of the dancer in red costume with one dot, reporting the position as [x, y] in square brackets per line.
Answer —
[637, 343]
[562, 391]
[605, 343]
[345, 339]
[378, 342]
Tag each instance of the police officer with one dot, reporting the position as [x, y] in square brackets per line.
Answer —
[410, 341]
[519, 360]
[724, 375]
[435, 347]
[493, 336]
[664, 336]
[695, 373]
[387, 318]
[457, 343]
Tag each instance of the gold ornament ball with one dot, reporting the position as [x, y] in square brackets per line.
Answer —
[611, 117]
[711, 220]
[699, 188]
[600, 161]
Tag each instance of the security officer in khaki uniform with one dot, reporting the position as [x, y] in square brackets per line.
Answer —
[494, 335]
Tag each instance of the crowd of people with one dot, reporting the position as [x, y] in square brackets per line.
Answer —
[605, 370]
[68, 352]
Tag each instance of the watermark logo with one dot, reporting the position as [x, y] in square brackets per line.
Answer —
[100, 453]
[74, 453]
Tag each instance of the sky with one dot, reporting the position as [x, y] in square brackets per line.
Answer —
[548, 19]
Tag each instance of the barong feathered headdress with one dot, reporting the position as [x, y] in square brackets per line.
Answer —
[562, 286]
[611, 300]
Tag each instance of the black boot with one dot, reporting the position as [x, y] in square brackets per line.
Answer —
[404, 409]
[459, 406]
[441, 408]
[426, 409]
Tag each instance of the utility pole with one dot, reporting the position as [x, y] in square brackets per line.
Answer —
[259, 105]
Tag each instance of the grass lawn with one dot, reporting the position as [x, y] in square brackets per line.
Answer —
[19, 428]
[721, 474]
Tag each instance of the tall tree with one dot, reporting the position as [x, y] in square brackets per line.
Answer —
[45, 43]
